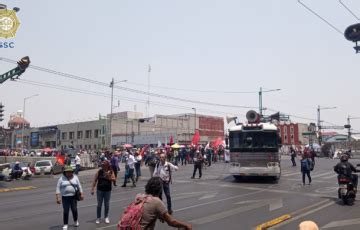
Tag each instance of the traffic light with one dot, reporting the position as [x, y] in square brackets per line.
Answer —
[24, 63]
[1, 112]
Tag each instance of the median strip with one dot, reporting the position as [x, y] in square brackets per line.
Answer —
[17, 189]
[273, 222]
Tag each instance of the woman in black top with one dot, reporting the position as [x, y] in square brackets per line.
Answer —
[103, 179]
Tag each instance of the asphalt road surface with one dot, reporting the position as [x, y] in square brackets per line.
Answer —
[216, 201]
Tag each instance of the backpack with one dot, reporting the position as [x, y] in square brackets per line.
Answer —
[305, 166]
[130, 219]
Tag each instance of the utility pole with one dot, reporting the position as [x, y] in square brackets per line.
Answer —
[148, 100]
[194, 119]
[319, 108]
[348, 126]
[112, 84]
[260, 99]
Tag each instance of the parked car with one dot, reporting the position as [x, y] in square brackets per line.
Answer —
[45, 165]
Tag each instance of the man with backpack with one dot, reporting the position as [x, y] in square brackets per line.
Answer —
[163, 169]
[306, 167]
[147, 208]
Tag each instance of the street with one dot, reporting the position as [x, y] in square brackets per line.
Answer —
[212, 202]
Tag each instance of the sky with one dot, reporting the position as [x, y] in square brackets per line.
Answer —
[198, 50]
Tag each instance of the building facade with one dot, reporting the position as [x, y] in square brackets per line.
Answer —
[293, 133]
[126, 127]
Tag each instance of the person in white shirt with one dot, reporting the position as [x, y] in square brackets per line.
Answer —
[163, 170]
[77, 163]
[130, 163]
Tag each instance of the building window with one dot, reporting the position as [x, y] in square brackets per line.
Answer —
[79, 134]
[94, 146]
[71, 135]
[285, 139]
[285, 129]
[85, 146]
[292, 129]
[96, 133]
[88, 134]
[63, 136]
[292, 139]
[80, 146]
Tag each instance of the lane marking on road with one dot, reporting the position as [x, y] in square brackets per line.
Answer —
[342, 223]
[273, 222]
[324, 204]
[290, 174]
[17, 189]
[331, 176]
[200, 205]
[321, 174]
[273, 204]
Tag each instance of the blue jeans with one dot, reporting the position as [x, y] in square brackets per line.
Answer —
[166, 187]
[103, 196]
[67, 203]
[138, 169]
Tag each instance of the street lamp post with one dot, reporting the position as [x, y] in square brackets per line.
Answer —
[260, 98]
[194, 119]
[23, 123]
[319, 120]
[112, 84]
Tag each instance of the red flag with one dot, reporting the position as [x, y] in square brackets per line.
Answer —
[218, 142]
[144, 149]
[171, 140]
[196, 138]
[60, 159]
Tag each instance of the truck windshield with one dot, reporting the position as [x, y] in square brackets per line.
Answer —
[254, 140]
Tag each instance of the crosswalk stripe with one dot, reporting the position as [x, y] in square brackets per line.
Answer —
[331, 176]
[320, 174]
[291, 174]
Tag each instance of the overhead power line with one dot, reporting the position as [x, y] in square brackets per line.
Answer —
[321, 18]
[348, 9]
[75, 77]
[194, 90]
[95, 93]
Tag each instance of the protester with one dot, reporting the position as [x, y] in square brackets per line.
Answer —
[183, 156]
[77, 163]
[130, 164]
[198, 162]
[164, 170]
[67, 160]
[305, 168]
[102, 181]
[67, 186]
[154, 208]
[308, 225]
[138, 160]
[17, 171]
[293, 156]
[115, 165]
[151, 161]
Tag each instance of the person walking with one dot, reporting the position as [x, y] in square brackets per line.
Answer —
[305, 168]
[293, 156]
[138, 160]
[183, 156]
[102, 181]
[115, 165]
[198, 162]
[164, 170]
[66, 187]
[130, 164]
[151, 161]
[77, 163]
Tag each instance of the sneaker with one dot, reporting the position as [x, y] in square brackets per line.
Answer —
[124, 185]
[77, 224]
[134, 185]
[97, 221]
[107, 221]
[65, 227]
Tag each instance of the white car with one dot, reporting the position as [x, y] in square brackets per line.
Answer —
[45, 165]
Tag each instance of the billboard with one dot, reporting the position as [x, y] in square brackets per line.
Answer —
[34, 139]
